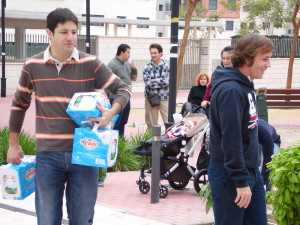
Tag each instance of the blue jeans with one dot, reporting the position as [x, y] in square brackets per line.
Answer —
[223, 188]
[54, 174]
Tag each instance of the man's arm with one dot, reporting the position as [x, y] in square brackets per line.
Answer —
[206, 98]
[107, 115]
[105, 79]
[14, 152]
[133, 71]
[20, 104]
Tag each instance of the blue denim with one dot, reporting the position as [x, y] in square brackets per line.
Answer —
[226, 211]
[54, 174]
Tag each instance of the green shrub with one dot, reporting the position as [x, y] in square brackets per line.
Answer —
[285, 178]
[205, 194]
[27, 142]
[126, 160]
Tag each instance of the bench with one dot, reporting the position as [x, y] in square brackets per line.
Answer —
[281, 98]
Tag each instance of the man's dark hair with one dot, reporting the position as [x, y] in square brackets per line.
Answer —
[157, 46]
[60, 15]
[248, 47]
[226, 49]
[122, 48]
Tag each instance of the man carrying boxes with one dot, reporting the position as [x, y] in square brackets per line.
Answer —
[54, 76]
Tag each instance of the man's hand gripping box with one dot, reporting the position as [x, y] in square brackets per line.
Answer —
[95, 147]
[18, 181]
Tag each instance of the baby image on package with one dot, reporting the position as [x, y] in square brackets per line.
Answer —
[18, 181]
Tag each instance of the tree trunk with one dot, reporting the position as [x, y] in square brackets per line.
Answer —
[296, 26]
[192, 6]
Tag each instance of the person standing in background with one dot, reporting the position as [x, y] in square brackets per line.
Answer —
[156, 79]
[270, 142]
[196, 95]
[225, 62]
[127, 72]
[236, 183]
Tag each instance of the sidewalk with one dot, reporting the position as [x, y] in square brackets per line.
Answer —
[120, 201]
[16, 212]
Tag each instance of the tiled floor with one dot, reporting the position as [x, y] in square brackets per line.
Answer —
[120, 201]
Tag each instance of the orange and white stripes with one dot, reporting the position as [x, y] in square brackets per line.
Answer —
[53, 118]
[39, 61]
[53, 99]
[112, 78]
[24, 89]
[54, 136]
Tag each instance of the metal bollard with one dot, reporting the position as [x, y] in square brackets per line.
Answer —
[155, 165]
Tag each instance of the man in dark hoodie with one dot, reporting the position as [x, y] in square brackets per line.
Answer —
[236, 183]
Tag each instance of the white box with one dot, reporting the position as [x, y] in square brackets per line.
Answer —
[83, 105]
[18, 181]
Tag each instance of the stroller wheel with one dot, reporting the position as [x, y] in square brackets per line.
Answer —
[178, 185]
[144, 187]
[200, 179]
[163, 191]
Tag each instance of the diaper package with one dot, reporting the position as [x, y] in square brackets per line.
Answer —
[83, 105]
[18, 181]
[97, 148]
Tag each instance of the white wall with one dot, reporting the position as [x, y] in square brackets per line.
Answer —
[129, 8]
[275, 77]
[44, 5]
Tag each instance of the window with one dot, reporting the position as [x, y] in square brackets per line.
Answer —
[142, 26]
[229, 25]
[121, 17]
[266, 25]
[231, 1]
[160, 8]
[168, 5]
[212, 5]
[95, 24]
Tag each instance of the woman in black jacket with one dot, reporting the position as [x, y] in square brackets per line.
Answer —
[196, 95]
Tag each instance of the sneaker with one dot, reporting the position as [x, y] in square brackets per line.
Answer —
[100, 183]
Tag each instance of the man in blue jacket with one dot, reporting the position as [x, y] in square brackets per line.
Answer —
[236, 183]
[270, 142]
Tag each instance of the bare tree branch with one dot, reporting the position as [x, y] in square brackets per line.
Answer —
[296, 25]
[192, 6]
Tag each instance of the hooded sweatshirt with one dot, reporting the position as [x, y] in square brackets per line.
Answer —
[233, 124]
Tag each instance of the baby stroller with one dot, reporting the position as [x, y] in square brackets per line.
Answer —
[174, 165]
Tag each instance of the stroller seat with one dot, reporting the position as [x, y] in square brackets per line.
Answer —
[172, 148]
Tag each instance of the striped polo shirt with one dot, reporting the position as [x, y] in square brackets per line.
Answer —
[54, 84]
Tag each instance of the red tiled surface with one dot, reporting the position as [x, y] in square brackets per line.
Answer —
[180, 206]
[122, 192]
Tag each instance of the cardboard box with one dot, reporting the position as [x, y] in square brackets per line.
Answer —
[83, 105]
[95, 148]
[18, 181]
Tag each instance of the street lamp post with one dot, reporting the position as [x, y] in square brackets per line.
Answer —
[3, 79]
[88, 36]
[173, 59]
